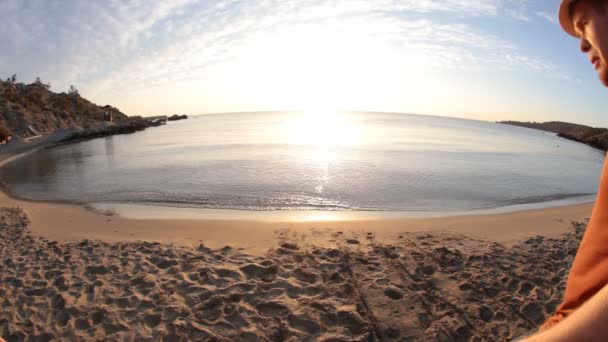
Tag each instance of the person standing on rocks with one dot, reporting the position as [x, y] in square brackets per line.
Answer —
[5, 135]
[107, 118]
[583, 314]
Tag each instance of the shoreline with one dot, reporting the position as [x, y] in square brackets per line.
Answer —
[156, 212]
[257, 232]
[75, 274]
[71, 222]
[148, 211]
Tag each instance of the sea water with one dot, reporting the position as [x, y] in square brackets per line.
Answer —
[334, 161]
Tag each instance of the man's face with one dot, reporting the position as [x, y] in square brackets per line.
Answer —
[591, 26]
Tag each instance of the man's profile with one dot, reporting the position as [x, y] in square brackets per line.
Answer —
[583, 314]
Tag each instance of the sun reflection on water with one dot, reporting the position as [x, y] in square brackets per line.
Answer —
[325, 131]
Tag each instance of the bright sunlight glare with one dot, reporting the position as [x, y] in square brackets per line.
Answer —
[322, 128]
[330, 64]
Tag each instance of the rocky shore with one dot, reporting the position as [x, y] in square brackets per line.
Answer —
[127, 127]
[592, 136]
[177, 117]
[33, 109]
[36, 117]
[421, 287]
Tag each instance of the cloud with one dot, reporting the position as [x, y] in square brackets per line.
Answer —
[551, 17]
[527, 11]
[120, 46]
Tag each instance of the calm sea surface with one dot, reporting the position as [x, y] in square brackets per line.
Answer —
[314, 161]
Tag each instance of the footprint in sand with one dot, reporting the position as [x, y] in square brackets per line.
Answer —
[382, 281]
[534, 312]
[152, 319]
[526, 288]
[465, 287]
[272, 309]
[304, 324]
[486, 314]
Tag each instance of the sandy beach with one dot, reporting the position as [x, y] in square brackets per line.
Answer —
[67, 222]
[72, 274]
[284, 171]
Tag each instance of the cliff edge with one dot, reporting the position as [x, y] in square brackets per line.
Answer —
[29, 109]
[592, 136]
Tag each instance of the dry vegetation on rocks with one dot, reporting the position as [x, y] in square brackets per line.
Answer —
[46, 111]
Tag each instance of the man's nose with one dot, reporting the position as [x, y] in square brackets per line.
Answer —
[585, 46]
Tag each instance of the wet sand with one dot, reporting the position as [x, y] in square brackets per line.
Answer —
[66, 222]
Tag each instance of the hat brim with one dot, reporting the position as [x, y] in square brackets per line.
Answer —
[565, 19]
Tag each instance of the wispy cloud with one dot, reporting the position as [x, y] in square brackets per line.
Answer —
[117, 46]
[551, 17]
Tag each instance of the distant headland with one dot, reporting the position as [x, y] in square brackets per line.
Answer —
[592, 136]
[33, 111]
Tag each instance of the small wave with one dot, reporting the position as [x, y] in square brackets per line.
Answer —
[249, 203]
[533, 200]
[331, 205]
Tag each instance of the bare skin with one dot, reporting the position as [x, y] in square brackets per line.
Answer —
[591, 26]
[586, 324]
[589, 322]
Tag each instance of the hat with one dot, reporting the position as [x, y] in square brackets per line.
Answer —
[565, 17]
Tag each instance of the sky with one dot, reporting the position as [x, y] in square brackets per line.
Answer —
[481, 59]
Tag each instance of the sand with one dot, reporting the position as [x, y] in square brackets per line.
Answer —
[69, 274]
[67, 222]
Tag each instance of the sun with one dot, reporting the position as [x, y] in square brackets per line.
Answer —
[323, 65]
[321, 128]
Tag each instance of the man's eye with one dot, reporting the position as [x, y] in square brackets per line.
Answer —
[581, 25]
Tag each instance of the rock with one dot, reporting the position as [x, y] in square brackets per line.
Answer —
[594, 137]
[176, 117]
[393, 292]
[32, 109]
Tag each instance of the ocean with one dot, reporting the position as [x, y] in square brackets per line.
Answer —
[347, 161]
